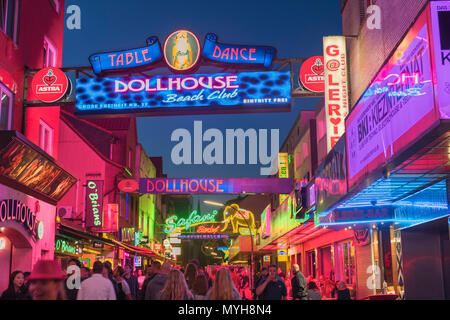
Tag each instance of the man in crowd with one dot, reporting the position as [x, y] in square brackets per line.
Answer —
[132, 281]
[272, 287]
[157, 283]
[97, 287]
[152, 271]
[298, 283]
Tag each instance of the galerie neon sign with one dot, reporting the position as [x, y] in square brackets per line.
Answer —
[174, 223]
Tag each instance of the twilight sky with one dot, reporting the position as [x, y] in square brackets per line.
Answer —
[294, 27]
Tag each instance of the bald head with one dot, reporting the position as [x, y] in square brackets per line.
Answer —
[295, 267]
[165, 268]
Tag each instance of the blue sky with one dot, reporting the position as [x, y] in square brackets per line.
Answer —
[294, 27]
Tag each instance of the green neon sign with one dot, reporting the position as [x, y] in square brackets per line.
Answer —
[194, 219]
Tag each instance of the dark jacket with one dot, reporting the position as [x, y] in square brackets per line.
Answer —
[133, 283]
[12, 295]
[298, 283]
[155, 286]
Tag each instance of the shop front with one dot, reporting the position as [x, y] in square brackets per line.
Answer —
[398, 146]
[31, 183]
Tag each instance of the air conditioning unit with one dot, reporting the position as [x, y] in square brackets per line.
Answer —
[64, 212]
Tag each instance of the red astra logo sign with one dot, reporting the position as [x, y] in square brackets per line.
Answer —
[49, 84]
[312, 74]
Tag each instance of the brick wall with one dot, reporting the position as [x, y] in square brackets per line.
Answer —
[372, 48]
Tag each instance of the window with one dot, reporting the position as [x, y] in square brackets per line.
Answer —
[45, 137]
[56, 5]
[6, 106]
[348, 262]
[9, 18]
[49, 54]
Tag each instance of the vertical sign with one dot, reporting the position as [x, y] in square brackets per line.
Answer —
[94, 203]
[265, 222]
[283, 171]
[336, 87]
[440, 22]
[111, 218]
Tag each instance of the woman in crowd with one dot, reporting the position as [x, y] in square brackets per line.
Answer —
[176, 287]
[201, 286]
[124, 292]
[313, 291]
[16, 288]
[190, 275]
[223, 287]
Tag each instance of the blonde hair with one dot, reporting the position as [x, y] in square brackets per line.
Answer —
[223, 287]
[176, 287]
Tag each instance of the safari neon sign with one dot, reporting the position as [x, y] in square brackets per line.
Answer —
[174, 223]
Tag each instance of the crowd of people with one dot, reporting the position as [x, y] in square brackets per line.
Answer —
[47, 281]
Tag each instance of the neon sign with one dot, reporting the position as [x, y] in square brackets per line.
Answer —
[94, 203]
[214, 186]
[245, 92]
[127, 59]
[14, 210]
[173, 223]
[203, 236]
[237, 54]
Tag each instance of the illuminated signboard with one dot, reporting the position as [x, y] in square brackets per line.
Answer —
[311, 74]
[126, 234]
[110, 218]
[67, 247]
[265, 222]
[237, 54]
[182, 50]
[396, 108]
[283, 171]
[215, 186]
[241, 220]
[176, 224]
[203, 236]
[49, 85]
[440, 24]
[128, 59]
[224, 92]
[358, 215]
[331, 178]
[14, 210]
[137, 261]
[336, 87]
[128, 185]
[94, 203]
[25, 165]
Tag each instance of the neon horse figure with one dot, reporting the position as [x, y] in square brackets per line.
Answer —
[181, 52]
[238, 217]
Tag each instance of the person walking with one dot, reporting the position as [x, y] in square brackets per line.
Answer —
[97, 287]
[46, 281]
[176, 287]
[200, 288]
[272, 287]
[313, 291]
[16, 288]
[108, 274]
[122, 284]
[298, 284]
[71, 293]
[223, 287]
[132, 281]
[191, 274]
[158, 282]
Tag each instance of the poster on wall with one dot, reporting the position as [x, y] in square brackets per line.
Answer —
[440, 25]
[395, 109]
